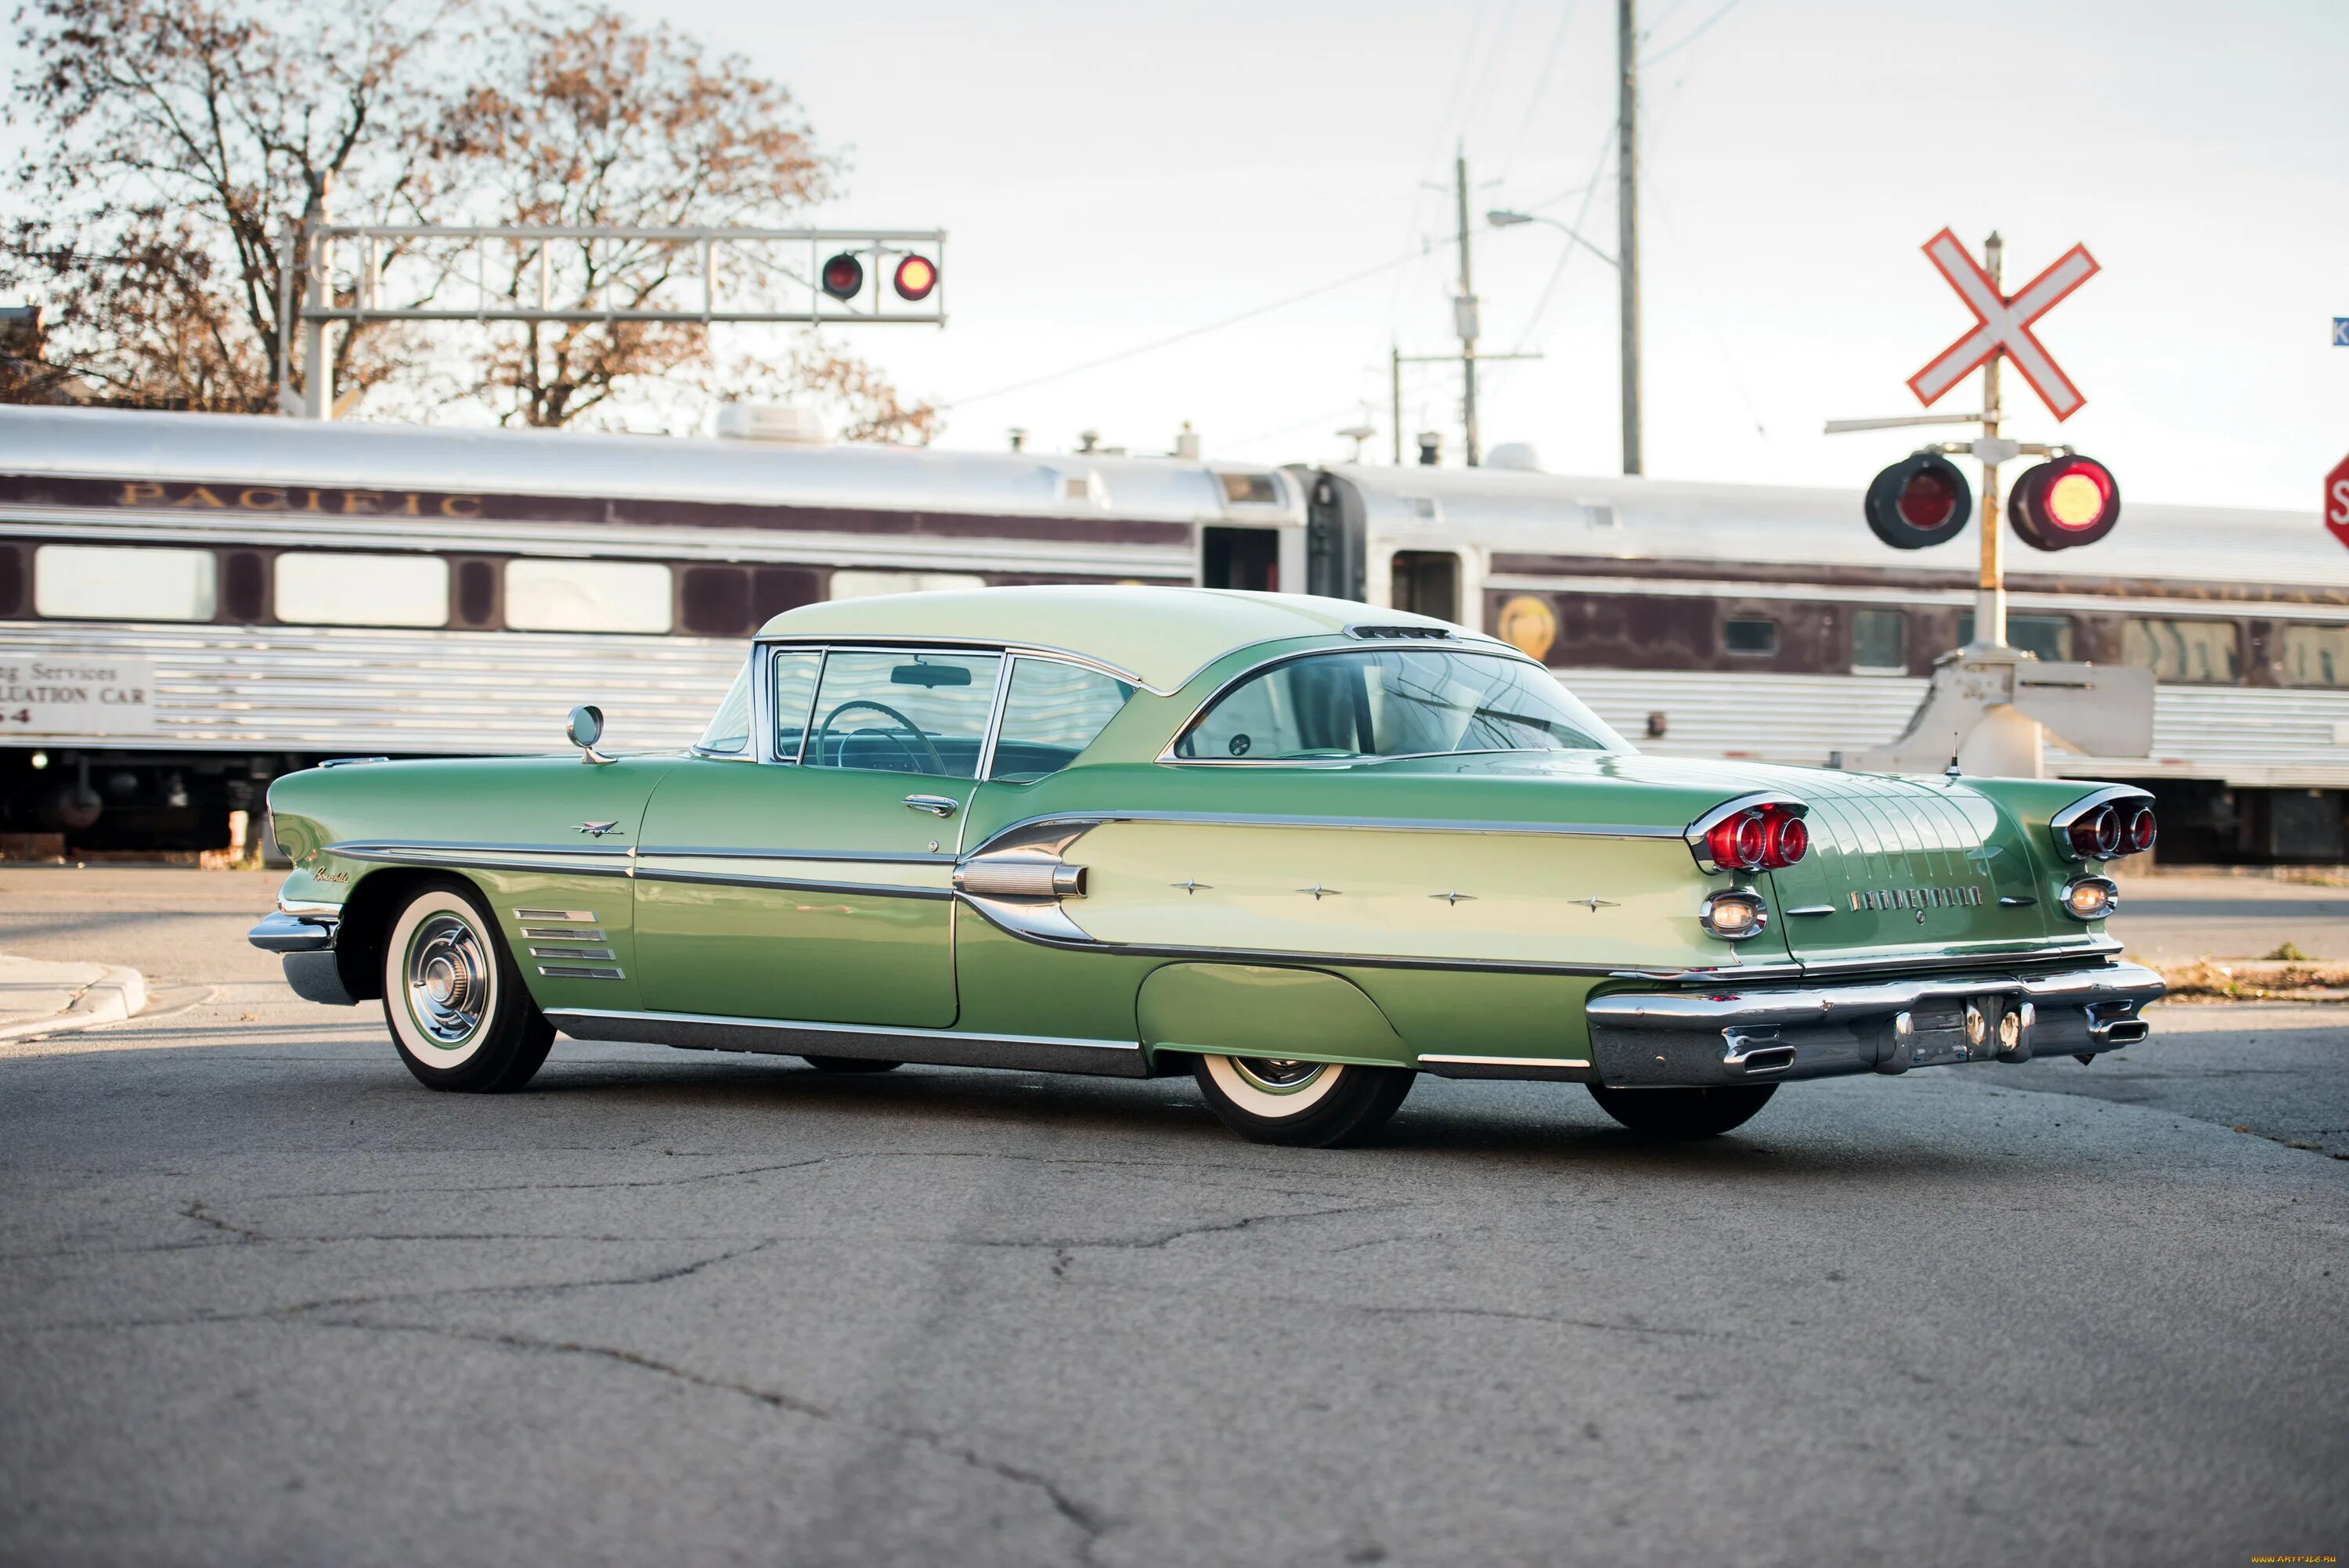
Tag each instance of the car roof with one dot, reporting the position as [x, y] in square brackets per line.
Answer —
[1161, 636]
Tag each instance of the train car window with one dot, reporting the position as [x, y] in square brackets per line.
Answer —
[2203, 652]
[1426, 582]
[2314, 655]
[2049, 637]
[1755, 636]
[120, 583]
[330, 588]
[1052, 713]
[867, 585]
[1251, 489]
[587, 596]
[1879, 641]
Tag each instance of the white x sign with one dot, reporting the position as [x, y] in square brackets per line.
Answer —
[2002, 324]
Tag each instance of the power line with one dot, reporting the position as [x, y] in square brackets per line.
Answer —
[1182, 336]
[1695, 33]
[1541, 88]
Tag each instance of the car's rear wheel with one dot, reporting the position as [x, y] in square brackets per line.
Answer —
[454, 1000]
[1311, 1105]
[849, 1065]
[1683, 1112]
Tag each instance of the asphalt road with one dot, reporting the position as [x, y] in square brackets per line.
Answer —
[262, 1299]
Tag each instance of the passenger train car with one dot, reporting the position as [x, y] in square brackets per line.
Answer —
[191, 605]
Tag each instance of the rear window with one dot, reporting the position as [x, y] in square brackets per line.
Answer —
[1394, 703]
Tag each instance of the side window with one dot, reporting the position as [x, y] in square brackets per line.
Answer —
[1879, 641]
[793, 680]
[331, 588]
[1052, 713]
[728, 730]
[117, 583]
[2315, 656]
[904, 712]
[2204, 653]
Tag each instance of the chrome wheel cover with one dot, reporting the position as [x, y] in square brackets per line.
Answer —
[450, 978]
[1277, 1075]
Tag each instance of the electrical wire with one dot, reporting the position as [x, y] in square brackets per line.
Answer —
[1699, 31]
[1541, 88]
[1182, 336]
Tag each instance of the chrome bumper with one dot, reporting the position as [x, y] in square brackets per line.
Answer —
[1693, 1038]
[306, 943]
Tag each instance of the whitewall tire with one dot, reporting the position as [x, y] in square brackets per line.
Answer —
[453, 1000]
[1274, 1100]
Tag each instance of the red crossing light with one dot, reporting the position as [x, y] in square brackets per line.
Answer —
[916, 276]
[2063, 503]
[1919, 501]
[843, 276]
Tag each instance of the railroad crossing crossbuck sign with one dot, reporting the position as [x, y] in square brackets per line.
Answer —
[2002, 324]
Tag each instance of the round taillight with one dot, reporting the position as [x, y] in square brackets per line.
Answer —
[1790, 841]
[1739, 843]
[843, 276]
[2142, 830]
[2098, 834]
[916, 276]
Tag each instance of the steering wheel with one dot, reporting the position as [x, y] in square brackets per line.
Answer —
[937, 764]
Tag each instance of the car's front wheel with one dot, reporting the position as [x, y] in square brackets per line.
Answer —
[1683, 1112]
[456, 1003]
[1310, 1105]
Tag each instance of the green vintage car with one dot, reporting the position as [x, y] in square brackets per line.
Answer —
[1299, 848]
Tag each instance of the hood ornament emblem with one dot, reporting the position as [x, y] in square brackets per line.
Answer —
[597, 829]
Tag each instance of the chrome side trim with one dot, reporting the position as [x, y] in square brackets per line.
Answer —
[784, 1037]
[1552, 1069]
[1046, 925]
[1814, 909]
[580, 972]
[859, 856]
[580, 953]
[559, 859]
[2039, 955]
[1020, 877]
[794, 885]
[563, 933]
[1076, 821]
[309, 909]
[585, 916]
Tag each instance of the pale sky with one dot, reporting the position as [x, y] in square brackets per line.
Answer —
[1115, 173]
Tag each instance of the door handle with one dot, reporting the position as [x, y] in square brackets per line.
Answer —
[936, 805]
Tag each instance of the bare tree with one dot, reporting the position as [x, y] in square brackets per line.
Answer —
[179, 138]
[176, 138]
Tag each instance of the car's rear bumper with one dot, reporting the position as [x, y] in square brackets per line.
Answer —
[307, 943]
[1764, 1033]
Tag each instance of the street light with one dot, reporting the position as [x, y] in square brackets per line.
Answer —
[1502, 217]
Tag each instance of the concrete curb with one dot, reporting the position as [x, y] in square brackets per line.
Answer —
[97, 993]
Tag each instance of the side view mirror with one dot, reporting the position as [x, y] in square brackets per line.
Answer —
[586, 728]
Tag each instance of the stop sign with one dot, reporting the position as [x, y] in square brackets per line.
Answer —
[2336, 501]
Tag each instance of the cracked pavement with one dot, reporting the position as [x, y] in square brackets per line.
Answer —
[264, 1300]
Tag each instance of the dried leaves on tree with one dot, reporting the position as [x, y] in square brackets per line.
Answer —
[178, 138]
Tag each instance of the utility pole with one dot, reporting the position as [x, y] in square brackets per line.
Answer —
[1990, 593]
[1394, 392]
[1464, 312]
[1627, 244]
[318, 370]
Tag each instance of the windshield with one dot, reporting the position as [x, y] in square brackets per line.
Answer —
[1394, 703]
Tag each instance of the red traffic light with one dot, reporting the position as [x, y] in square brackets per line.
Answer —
[916, 276]
[2063, 503]
[843, 276]
[1919, 501]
